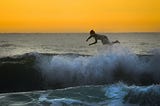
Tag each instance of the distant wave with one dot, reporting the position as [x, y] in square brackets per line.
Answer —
[34, 71]
[6, 45]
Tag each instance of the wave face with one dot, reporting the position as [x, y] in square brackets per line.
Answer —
[112, 64]
[117, 94]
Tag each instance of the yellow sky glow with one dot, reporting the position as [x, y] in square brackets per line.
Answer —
[80, 15]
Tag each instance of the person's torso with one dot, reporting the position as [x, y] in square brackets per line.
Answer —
[103, 38]
[100, 37]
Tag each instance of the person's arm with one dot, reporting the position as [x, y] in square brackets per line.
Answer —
[93, 42]
[89, 38]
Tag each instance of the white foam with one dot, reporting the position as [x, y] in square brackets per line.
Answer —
[115, 91]
[98, 68]
[60, 101]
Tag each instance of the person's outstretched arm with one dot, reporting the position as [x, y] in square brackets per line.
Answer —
[89, 38]
[93, 42]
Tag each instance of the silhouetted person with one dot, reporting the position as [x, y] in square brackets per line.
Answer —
[104, 39]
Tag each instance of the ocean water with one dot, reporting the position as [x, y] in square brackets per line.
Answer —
[60, 69]
[13, 44]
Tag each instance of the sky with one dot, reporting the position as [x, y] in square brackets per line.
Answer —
[79, 15]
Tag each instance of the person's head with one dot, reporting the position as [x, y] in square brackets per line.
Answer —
[92, 32]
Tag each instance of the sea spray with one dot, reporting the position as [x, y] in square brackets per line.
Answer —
[114, 63]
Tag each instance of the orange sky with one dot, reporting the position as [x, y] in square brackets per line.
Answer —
[80, 15]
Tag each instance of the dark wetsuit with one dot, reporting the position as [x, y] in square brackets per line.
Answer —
[104, 39]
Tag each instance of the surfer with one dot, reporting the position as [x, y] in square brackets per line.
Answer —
[104, 39]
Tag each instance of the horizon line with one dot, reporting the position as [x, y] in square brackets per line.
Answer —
[71, 32]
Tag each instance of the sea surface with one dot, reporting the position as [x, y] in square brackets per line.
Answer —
[61, 69]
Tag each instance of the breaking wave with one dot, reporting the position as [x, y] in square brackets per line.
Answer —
[112, 64]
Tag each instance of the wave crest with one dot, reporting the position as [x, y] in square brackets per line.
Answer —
[112, 64]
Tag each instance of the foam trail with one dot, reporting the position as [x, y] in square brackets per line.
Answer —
[60, 102]
[114, 63]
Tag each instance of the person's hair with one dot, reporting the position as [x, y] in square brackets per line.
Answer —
[92, 32]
